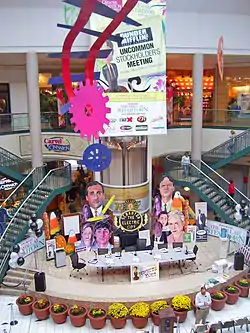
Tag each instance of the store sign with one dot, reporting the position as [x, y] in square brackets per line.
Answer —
[131, 220]
[56, 144]
[137, 114]
[235, 234]
[31, 244]
[7, 184]
[140, 272]
[135, 197]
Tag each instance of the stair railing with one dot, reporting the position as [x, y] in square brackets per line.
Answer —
[224, 183]
[64, 175]
[198, 173]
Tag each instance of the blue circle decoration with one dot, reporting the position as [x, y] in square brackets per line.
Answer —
[97, 157]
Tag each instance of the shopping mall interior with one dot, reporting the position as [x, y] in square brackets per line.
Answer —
[123, 231]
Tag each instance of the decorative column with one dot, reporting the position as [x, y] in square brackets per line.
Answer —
[34, 109]
[197, 110]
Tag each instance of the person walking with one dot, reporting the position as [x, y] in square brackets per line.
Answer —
[202, 303]
[231, 188]
[185, 162]
[3, 216]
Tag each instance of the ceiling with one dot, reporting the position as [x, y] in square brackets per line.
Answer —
[239, 7]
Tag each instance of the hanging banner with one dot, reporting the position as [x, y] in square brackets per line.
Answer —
[136, 64]
[31, 244]
[201, 221]
[220, 57]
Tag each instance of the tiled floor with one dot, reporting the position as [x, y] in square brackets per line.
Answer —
[118, 287]
[30, 325]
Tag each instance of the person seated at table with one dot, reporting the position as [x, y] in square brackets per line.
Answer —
[103, 235]
[176, 223]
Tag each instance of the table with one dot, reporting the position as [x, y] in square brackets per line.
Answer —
[127, 258]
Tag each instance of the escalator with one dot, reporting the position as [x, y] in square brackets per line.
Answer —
[13, 166]
[229, 151]
[209, 186]
[40, 189]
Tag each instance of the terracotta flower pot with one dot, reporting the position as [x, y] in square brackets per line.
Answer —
[248, 276]
[80, 320]
[244, 291]
[118, 323]
[155, 318]
[232, 298]
[41, 314]
[182, 315]
[97, 322]
[25, 309]
[59, 318]
[218, 304]
[139, 322]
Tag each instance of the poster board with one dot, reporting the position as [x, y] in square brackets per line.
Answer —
[71, 222]
[140, 272]
[50, 249]
[201, 221]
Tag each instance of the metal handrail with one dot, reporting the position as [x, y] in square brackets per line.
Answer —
[17, 188]
[206, 176]
[30, 194]
[9, 153]
[217, 174]
[236, 137]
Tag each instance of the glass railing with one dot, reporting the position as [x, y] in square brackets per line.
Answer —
[228, 148]
[49, 120]
[14, 162]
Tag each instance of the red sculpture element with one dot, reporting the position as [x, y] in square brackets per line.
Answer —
[87, 9]
[90, 64]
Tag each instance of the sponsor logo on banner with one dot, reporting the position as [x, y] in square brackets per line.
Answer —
[141, 119]
[126, 128]
[57, 144]
[141, 127]
[131, 220]
[7, 184]
[126, 120]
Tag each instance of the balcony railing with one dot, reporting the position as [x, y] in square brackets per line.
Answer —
[49, 120]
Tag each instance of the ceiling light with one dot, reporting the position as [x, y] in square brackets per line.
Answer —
[186, 189]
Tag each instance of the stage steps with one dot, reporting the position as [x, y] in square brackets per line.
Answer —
[229, 151]
[209, 186]
[13, 281]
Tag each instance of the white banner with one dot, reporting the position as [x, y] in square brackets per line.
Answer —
[140, 272]
[218, 229]
[31, 244]
[140, 114]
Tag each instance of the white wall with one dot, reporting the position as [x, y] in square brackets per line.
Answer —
[26, 29]
[193, 32]
[16, 77]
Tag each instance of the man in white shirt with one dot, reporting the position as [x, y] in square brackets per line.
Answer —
[202, 303]
[185, 162]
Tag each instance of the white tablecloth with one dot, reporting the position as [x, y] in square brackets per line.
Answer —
[128, 258]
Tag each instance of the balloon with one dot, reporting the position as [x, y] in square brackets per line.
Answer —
[20, 261]
[29, 222]
[39, 223]
[14, 256]
[12, 264]
[33, 217]
[33, 226]
[39, 232]
[16, 248]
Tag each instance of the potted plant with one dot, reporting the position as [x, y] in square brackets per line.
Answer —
[155, 307]
[243, 285]
[59, 313]
[181, 305]
[24, 303]
[97, 318]
[41, 308]
[219, 299]
[139, 313]
[232, 293]
[118, 313]
[77, 315]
